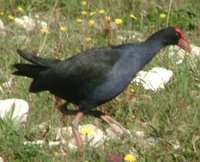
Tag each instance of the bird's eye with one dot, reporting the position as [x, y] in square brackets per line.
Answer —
[178, 34]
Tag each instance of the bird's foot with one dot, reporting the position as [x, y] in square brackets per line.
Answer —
[115, 125]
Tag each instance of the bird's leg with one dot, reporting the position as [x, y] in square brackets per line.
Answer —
[75, 130]
[63, 109]
[113, 122]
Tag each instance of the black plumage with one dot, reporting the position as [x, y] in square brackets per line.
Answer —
[95, 76]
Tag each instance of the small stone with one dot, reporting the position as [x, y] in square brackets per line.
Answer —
[140, 134]
[26, 23]
[1, 159]
[154, 79]
[2, 29]
[95, 137]
[15, 109]
[195, 50]
[37, 142]
[152, 141]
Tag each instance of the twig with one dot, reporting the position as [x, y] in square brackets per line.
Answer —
[168, 14]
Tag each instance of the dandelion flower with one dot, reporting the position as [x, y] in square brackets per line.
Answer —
[118, 21]
[102, 11]
[83, 3]
[107, 18]
[86, 131]
[92, 22]
[1, 13]
[130, 158]
[79, 20]
[10, 17]
[20, 9]
[63, 28]
[162, 15]
[84, 13]
[92, 13]
[44, 30]
[133, 17]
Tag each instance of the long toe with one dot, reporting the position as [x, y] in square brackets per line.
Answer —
[115, 125]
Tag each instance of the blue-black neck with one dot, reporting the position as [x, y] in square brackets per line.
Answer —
[155, 43]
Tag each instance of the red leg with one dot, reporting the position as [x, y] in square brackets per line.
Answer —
[75, 130]
[112, 122]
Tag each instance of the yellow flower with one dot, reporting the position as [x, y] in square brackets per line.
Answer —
[118, 21]
[92, 22]
[63, 28]
[86, 131]
[10, 17]
[162, 15]
[79, 20]
[83, 3]
[107, 18]
[133, 17]
[130, 158]
[131, 89]
[92, 13]
[102, 11]
[44, 30]
[88, 39]
[1, 13]
[84, 13]
[20, 9]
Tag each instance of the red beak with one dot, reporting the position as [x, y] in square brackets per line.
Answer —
[183, 43]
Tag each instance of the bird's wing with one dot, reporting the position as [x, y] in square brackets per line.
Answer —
[75, 78]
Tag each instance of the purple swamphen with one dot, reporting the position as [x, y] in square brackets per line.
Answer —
[95, 76]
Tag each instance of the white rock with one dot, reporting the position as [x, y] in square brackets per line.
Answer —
[26, 23]
[56, 143]
[43, 24]
[15, 109]
[1, 159]
[140, 134]
[195, 51]
[194, 56]
[175, 50]
[180, 61]
[64, 136]
[154, 79]
[152, 141]
[42, 143]
[37, 142]
[176, 145]
[95, 138]
[179, 54]
[2, 28]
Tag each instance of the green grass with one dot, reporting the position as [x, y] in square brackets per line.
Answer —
[170, 115]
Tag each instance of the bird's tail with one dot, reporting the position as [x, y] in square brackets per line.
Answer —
[43, 62]
[38, 64]
[28, 70]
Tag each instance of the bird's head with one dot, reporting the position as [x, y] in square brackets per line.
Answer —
[174, 36]
[182, 42]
